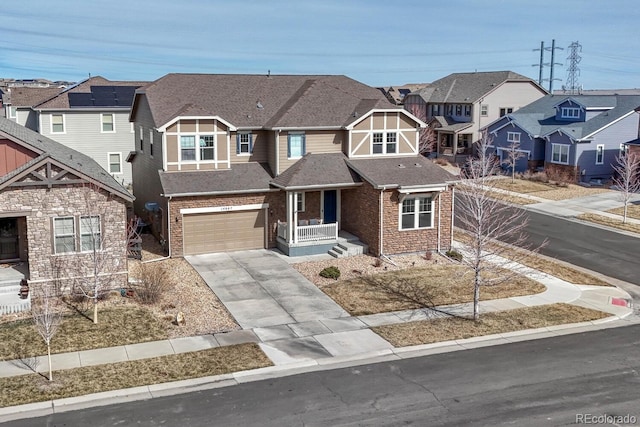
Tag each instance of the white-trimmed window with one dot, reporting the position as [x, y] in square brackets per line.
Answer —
[141, 138]
[513, 137]
[13, 112]
[188, 148]
[115, 163]
[435, 109]
[599, 154]
[467, 110]
[392, 142]
[57, 123]
[378, 143]
[90, 233]
[64, 235]
[560, 153]
[207, 147]
[151, 142]
[484, 110]
[108, 123]
[624, 149]
[299, 202]
[296, 142]
[244, 143]
[570, 113]
[416, 213]
[384, 142]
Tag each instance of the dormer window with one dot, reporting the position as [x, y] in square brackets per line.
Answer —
[513, 137]
[570, 113]
[384, 143]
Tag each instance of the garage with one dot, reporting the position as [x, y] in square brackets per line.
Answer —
[223, 231]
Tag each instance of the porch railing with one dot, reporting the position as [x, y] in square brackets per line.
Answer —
[309, 233]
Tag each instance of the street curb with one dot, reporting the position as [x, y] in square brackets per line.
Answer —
[225, 380]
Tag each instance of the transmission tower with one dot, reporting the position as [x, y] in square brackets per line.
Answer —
[573, 71]
[550, 64]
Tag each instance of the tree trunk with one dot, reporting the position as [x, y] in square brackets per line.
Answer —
[95, 311]
[49, 357]
[476, 298]
[624, 217]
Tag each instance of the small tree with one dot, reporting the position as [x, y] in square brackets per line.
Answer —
[427, 136]
[47, 316]
[627, 178]
[488, 220]
[513, 155]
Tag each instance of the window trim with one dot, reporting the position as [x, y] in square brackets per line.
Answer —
[624, 150]
[56, 235]
[600, 154]
[64, 126]
[565, 112]
[511, 137]
[303, 148]
[13, 111]
[81, 233]
[113, 123]
[141, 138]
[109, 163]
[240, 143]
[384, 142]
[300, 201]
[416, 212]
[561, 147]
[194, 148]
[151, 143]
[484, 110]
[200, 148]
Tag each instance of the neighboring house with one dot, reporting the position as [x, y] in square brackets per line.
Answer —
[232, 162]
[21, 100]
[396, 94]
[633, 147]
[460, 104]
[93, 118]
[578, 136]
[49, 194]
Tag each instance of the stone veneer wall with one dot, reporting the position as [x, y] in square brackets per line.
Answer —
[275, 212]
[41, 205]
[360, 216]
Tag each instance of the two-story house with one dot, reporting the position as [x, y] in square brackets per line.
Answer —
[231, 162]
[92, 117]
[578, 136]
[460, 104]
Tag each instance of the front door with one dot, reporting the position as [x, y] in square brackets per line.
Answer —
[330, 206]
[9, 239]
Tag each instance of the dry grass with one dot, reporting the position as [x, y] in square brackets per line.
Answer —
[541, 263]
[454, 328]
[633, 211]
[93, 379]
[510, 198]
[546, 190]
[116, 326]
[419, 287]
[609, 222]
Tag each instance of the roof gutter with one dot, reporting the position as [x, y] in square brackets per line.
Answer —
[219, 193]
[316, 186]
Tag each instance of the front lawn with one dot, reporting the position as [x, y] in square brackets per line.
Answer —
[610, 222]
[546, 190]
[94, 379]
[116, 326]
[419, 287]
[455, 328]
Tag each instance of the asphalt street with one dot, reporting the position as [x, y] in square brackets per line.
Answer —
[530, 383]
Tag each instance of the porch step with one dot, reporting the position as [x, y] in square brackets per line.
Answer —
[10, 301]
[348, 248]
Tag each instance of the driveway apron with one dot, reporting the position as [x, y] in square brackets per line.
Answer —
[261, 290]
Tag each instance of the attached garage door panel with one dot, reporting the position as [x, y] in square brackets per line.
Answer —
[223, 232]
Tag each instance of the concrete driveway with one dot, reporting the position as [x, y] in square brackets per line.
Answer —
[262, 290]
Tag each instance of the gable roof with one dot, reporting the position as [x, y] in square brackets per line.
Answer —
[88, 89]
[72, 159]
[261, 101]
[469, 87]
[539, 117]
[405, 172]
[30, 96]
[317, 170]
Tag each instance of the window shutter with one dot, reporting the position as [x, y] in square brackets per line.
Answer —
[288, 145]
[237, 143]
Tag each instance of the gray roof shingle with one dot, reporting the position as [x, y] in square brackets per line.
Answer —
[261, 101]
[69, 157]
[241, 178]
[400, 172]
[467, 87]
[325, 170]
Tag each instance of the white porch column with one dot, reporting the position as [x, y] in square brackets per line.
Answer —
[289, 216]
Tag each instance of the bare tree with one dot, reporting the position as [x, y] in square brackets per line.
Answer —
[513, 155]
[488, 220]
[627, 178]
[427, 137]
[47, 316]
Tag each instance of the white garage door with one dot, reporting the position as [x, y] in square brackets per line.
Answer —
[223, 231]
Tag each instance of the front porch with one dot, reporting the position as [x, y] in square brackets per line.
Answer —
[319, 239]
[11, 274]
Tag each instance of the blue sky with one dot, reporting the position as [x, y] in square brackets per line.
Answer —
[377, 42]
